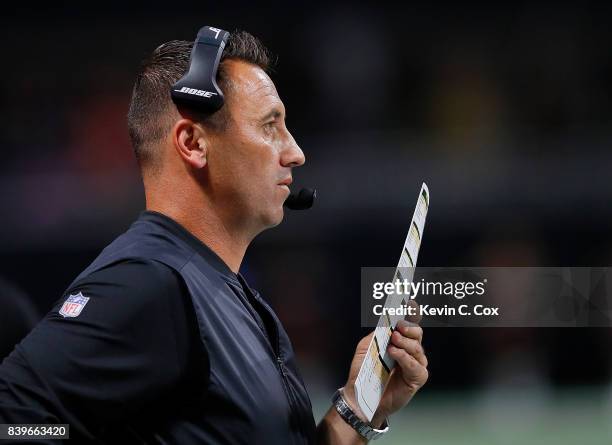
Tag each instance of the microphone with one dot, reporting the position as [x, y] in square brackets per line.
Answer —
[303, 200]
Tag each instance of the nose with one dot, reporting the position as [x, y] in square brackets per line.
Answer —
[292, 155]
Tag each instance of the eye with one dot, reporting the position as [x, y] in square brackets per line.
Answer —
[270, 126]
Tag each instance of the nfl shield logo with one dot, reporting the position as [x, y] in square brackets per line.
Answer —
[73, 306]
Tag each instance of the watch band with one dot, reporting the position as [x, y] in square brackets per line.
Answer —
[349, 416]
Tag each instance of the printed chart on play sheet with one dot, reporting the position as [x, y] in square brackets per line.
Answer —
[376, 367]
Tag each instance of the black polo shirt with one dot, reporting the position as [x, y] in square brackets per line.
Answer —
[158, 341]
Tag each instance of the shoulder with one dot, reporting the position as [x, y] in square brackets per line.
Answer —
[122, 290]
[140, 273]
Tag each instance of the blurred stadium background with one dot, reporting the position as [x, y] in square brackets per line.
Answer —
[504, 110]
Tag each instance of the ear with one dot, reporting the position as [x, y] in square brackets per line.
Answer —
[190, 141]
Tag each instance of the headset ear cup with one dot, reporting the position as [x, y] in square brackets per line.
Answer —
[198, 89]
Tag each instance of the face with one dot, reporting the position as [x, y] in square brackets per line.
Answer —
[250, 161]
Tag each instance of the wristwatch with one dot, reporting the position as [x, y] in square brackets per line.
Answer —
[354, 421]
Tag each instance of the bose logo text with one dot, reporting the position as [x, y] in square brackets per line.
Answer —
[196, 92]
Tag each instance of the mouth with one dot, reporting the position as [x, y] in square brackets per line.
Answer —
[286, 182]
[285, 188]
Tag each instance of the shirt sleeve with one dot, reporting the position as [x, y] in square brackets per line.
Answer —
[118, 340]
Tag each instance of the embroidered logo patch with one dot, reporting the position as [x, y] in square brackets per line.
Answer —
[74, 305]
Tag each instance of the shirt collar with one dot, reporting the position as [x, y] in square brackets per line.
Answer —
[202, 249]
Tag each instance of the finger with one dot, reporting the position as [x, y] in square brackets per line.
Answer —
[413, 373]
[416, 318]
[409, 330]
[411, 346]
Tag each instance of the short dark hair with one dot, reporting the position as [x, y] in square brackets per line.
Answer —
[148, 115]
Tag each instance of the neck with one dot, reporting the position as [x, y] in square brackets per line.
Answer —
[228, 245]
[202, 221]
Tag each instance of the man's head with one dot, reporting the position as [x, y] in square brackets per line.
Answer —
[233, 159]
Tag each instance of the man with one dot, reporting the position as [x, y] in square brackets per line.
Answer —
[160, 339]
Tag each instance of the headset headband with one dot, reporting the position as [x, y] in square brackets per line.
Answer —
[198, 88]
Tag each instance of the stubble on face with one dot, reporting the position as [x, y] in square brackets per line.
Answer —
[244, 163]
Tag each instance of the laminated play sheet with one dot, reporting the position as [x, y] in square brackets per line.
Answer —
[377, 365]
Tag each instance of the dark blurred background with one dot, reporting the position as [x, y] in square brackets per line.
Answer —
[503, 109]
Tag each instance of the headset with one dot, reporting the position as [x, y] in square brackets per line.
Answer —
[198, 90]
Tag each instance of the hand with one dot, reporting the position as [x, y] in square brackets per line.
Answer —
[407, 377]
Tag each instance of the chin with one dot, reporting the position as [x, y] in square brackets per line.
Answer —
[279, 218]
[274, 218]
